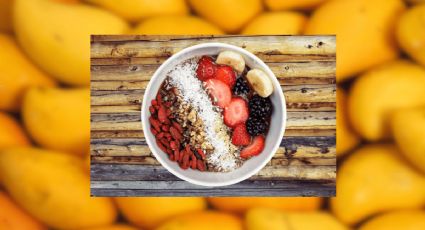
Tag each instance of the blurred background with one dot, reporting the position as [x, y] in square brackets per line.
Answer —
[45, 100]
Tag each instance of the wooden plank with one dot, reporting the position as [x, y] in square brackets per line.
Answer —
[290, 147]
[249, 188]
[132, 121]
[287, 73]
[116, 134]
[305, 106]
[133, 172]
[267, 48]
[293, 94]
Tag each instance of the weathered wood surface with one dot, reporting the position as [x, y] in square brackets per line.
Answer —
[122, 165]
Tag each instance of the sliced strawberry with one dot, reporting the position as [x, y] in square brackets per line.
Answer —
[240, 136]
[236, 112]
[206, 68]
[255, 148]
[226, 74]
[219, 91]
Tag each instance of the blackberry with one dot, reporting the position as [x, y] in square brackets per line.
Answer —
[256, 126]
[260, 107]
[241, 87]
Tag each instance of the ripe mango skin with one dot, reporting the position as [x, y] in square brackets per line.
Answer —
[230, 16]
[346, 138]
[17, 74]
[374, 179]
[288, 23]
[175, 25]
[411, 33]
[364, 31]
[58, 119]
[134, 209]
[403, 219]
[56, 36]
[206, 220]
[136, 10]
[382, 90]
[53, 187]
[408, 128]
[261, 218]
[239, 205]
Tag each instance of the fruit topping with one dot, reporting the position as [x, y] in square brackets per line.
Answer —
[226, 74]
[255, 148]
[260, 107]
[219, 91]
[256, 126]
[206, 68]
[260, 82]
[236, 112]
[240, 136]
[232, 59]
[241, 87]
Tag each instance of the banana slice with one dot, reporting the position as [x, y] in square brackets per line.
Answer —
[260, 81]
[232, 59]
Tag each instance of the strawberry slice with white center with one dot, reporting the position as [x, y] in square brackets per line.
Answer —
[255, 148]
[236, 112]
[206, 68]
[226, 74]
[240, 136]
[219, 91]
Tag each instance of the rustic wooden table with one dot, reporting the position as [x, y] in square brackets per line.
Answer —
[121, 163]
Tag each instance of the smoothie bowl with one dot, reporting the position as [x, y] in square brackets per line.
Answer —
[213, 114]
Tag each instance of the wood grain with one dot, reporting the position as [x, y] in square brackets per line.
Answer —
[122, 164]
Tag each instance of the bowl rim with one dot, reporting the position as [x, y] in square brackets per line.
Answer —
[146, 126]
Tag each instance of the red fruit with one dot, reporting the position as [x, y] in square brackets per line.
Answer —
[226, 74]
[206, 68]
[219, 91]
[236, 112]
[201, 165]
[255, 148]
[162, 115]
[155, 123]
[240, 136]
[175, 134]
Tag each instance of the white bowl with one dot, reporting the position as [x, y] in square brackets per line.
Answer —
[249, 167]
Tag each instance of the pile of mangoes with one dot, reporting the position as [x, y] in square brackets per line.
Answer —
[45, 100]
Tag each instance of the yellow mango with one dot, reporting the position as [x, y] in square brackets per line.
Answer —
[11, 132]
[376, 179]
[207, 220]
[276, 23]
[292, 4]
[149, 212]
[408, 127]
[230, 16]
[378, 92]
[240, 205]
[17, 73]
[411, 33]
[398, 220]
[113, 227]
[260, 218]
[6, 15]
[58, 119]
[135, 10]
[53, 187]
[364, 31]
[175, 25]
[56, 35]
[346, 138]
[13, 217]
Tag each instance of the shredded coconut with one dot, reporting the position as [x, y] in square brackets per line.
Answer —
[224, 156]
